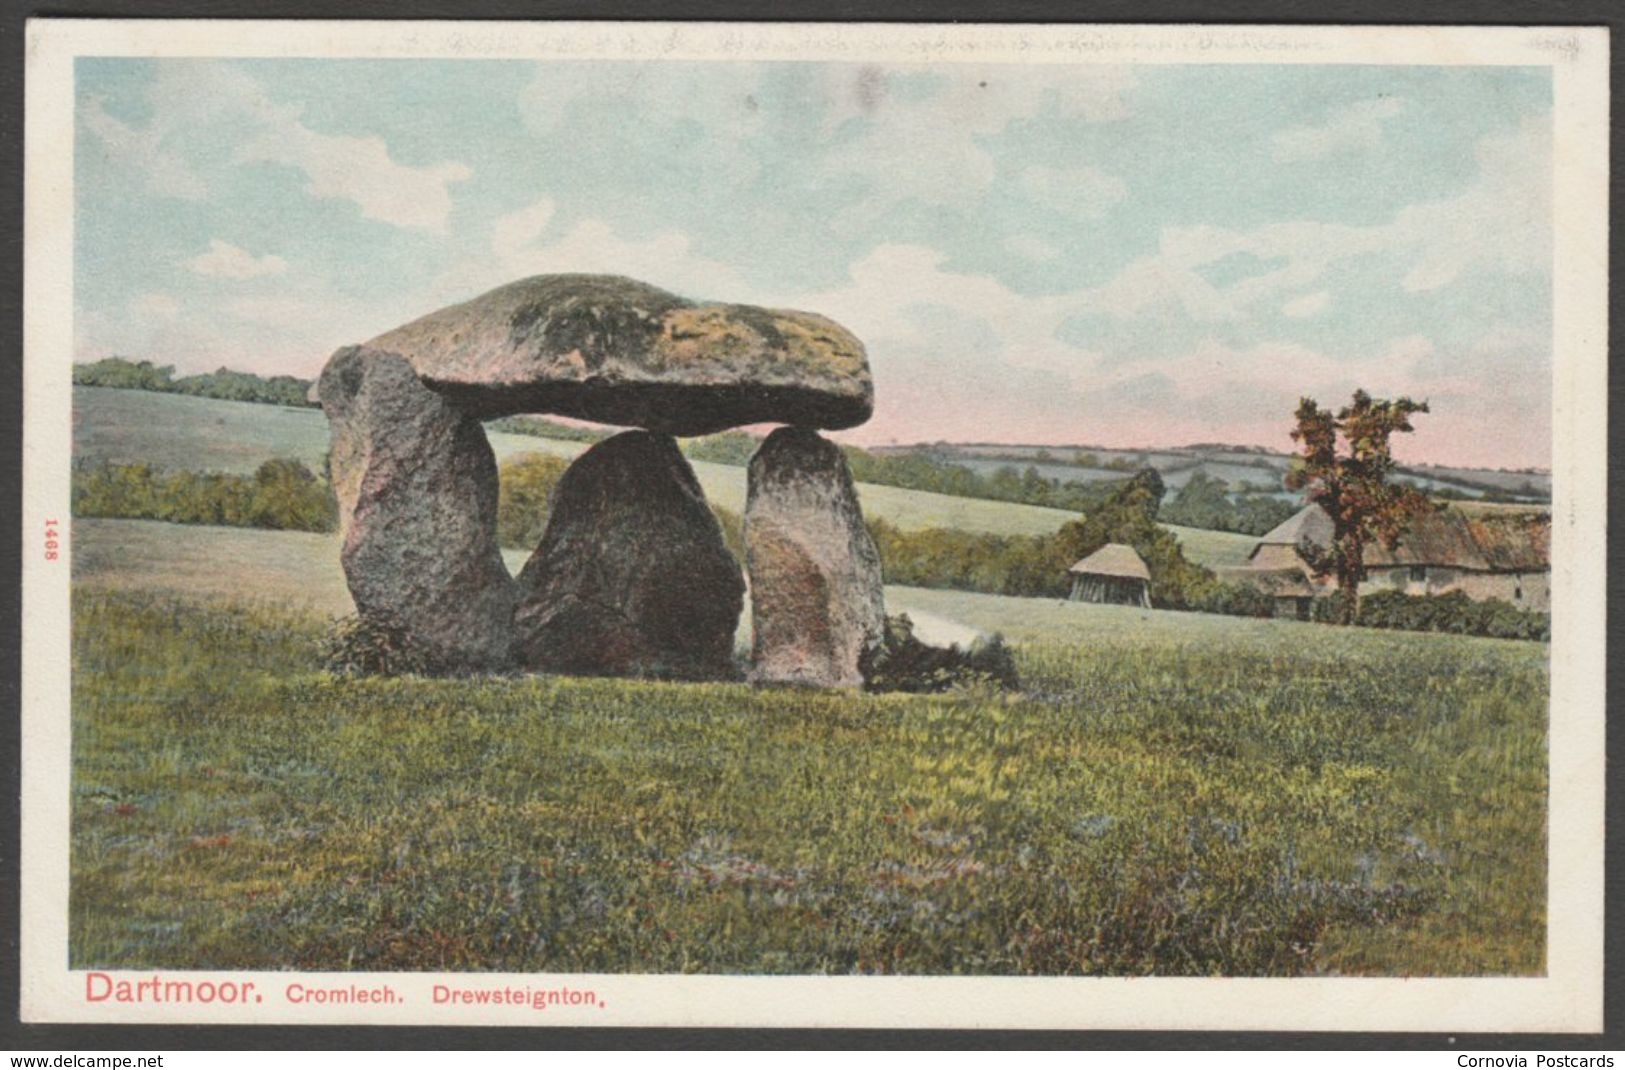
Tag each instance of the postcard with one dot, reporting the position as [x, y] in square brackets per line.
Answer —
[814, 525]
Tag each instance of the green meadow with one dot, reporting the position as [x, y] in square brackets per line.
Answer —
[1169, 793]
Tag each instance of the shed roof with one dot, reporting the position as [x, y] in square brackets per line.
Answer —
[1113, 559]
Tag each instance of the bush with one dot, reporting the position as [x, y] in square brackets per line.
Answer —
[903, 663]
[1236, 600]
[733, 531]
[288, 495]
[541, 427]
[282, 495]
[725, 447]
[1453, 612]
[355, 646]
[1023, 565]
[524, 500]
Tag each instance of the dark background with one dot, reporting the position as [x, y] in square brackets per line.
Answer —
[17, 1036]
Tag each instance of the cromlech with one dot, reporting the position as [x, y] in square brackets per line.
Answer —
[632, 576]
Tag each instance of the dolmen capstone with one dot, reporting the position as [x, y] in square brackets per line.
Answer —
[618, 351]
[632, 576]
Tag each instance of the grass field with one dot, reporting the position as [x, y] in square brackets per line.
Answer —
[1172, 793]
[1169, 793]
[301, 571]
[179, 432]
[1149, 807]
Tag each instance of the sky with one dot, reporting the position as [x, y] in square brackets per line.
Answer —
[1122, 256]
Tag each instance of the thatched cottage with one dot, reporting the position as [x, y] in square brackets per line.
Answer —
[1114, 574]
[1485, 553]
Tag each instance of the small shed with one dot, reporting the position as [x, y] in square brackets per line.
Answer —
[1112, 574]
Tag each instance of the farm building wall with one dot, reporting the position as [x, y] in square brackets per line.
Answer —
[1525, 590]
[1411, 579]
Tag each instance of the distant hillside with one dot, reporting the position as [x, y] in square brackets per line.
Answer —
[1247, 470]
[1208, 485]
[194, 433]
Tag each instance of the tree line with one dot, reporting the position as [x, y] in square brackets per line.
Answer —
[284, 494]
[1206, 502]
[223, 384]
[922, 472]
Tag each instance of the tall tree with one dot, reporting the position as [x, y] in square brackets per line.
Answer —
[1343, 465]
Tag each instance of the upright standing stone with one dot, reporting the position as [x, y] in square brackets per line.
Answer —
[632, 577]
[815, 580]
[417, 490]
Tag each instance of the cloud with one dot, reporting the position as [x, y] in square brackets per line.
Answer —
[517, 250]
[727, 180]
[157, 307]
[1352, 128]
[227, 261]
[186, 95]
[1500, 223]
[360, 170]
[272, 311]
[961, 356]
[705, 115]
[666, 259]
[1306, 306]
[880, 135]
[512, 233]
[142, 152]
[1215, 391]
[289, 332]
[928, 144]
[884, 291]
[1030, 247]
[1081, 192]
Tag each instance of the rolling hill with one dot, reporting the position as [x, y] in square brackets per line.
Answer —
[179, 432]
[1262, 469]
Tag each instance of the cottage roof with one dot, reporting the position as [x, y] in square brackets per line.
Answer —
[1311, 523]
[1513, 542]
[1113, 559]
[1482, 541]
[1431, 538]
